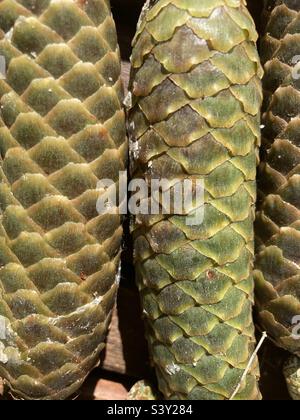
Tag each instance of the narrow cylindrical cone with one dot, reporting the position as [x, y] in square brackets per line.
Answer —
[62, 129]
[277, 271]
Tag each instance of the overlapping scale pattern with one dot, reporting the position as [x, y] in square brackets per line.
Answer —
[62, 129]
[196, 113]
[278, 218]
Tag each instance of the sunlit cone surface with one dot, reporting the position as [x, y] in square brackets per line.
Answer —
[61, 130]
[196, 112]
[142, 390]
[278, 219]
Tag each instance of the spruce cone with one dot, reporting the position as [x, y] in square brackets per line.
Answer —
[62, 129]
[142, 390]
[196, 113]
[277, 272]
[291, 372]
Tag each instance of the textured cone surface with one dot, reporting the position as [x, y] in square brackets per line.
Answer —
[196, 113]
[61, 130]
[142, 390]
[277, 272]
[292, 374]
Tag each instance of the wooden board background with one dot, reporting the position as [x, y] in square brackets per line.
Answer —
[125, 359]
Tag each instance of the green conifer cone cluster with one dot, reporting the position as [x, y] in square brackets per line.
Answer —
[62, 128]
[196, 113]
[278, 218]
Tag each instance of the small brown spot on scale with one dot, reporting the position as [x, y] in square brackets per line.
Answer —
[210, 274]
[31, 319]
[81, 3]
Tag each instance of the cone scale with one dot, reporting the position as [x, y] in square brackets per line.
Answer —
[196, 113]
[62, 128]
[277, 273]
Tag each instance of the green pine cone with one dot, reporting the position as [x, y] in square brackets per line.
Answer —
[142, 390]
[196, 113]
[62, 128]
[277, 272]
